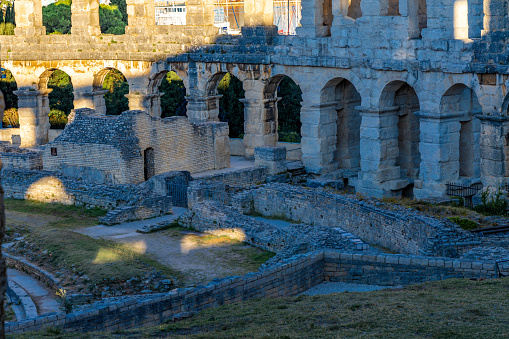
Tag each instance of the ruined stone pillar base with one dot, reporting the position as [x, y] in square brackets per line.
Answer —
[201, 109]
[272, 157]
[494, 150]
[33, 118]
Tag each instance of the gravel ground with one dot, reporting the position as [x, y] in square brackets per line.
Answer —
[328, 287]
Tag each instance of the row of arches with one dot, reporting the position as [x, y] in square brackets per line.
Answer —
[168, 94]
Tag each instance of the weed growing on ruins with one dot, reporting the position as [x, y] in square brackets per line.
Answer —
[492, 203]
[465, 224]
[281, 217]
[65, 303]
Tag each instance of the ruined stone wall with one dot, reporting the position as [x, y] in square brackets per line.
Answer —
[19, 159]
[113, 150]
[402, 231]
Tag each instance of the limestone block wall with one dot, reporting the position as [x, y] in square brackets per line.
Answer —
[19, 159]
[133, 147]
[401, 231]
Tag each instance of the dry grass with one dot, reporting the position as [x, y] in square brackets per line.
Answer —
[447, 309]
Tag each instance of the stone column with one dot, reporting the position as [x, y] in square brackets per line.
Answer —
[439, 148]
[312, 20]
[260, 117]
[258, 12]
[90, 99]
[200, 12]
[494, 150]
[139, 101]
[379, 175]
[33, 112]
[495, 16]
[141, 17]
[202, 108]
[319, 129]
[85, 17]
[28, 18]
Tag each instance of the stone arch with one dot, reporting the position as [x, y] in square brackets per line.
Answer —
[159, 105]
[505, 105]
[57, 97]
[103, 97]
[286, 114]
[461, 104]
[340, 98]
[399, 101]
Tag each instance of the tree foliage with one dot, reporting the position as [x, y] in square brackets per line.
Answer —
[122, 7]
[8, 86]
[6, 28]
[173, 101]
[231, 110]
[61, 97]
[117, 87]
[289, 110]
[57, 17]
[110, 20]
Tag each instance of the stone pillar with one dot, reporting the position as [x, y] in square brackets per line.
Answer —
[494, 143]
[379, 148]
[319, 129]
[139, 101]
[202, 108]
[260, 117]
[85, 17]
[258, 12]
[312, 20]
[141, 17]
[439, 148]
[90, 99]
[28, 18]
[33, 109]
[200, 13]
[495, 16]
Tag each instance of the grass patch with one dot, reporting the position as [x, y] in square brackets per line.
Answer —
[445, 309]
[465, 224]
[273, 217]
[99, 259]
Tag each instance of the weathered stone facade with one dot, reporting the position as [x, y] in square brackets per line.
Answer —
[407, 95]
[134, 146]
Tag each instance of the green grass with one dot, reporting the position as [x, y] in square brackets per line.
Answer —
[447, 309]
[98, 258]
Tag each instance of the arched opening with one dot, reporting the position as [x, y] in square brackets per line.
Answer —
[400, 99]
[60, 99]
[8, 85]
[341, 98]
[115, 84]
[288, 111]
[56, 17]
[173, 101]
[461, 101]
[230, 108]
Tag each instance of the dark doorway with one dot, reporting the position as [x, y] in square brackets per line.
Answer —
[149, 163]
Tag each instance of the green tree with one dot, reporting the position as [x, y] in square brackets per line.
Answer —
[61, 97]
[57, 17]
[289, 110]
[6, 28]
[8, 86]
[173, 101]
[122, 7]
[117, 87]
[110, 19]
[231, 110]
[9, 17]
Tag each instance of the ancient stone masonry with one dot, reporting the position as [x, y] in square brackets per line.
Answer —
[134, 147]
[406, 95]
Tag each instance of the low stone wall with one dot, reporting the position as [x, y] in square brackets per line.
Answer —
[288, 279]
[149, 208]
[293, 150]
[11, 135]
[393, 270]
[245, 177]
[22, 265]
[403, 231]
[51, 187]
[20, 159]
